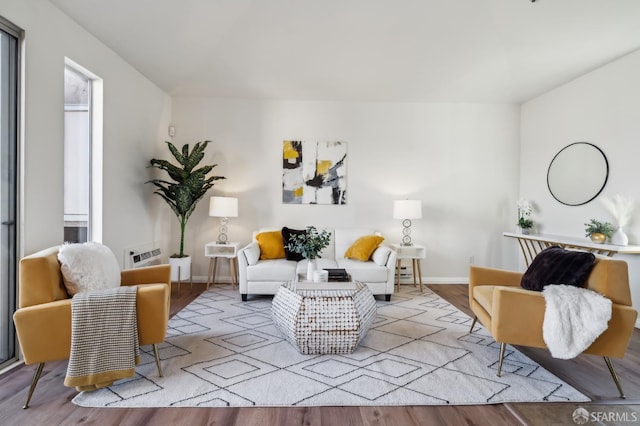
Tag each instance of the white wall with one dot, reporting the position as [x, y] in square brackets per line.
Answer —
[460, 159]
[136, 114]
[602, 107]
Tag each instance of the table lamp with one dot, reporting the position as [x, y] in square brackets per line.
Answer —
[407, 210]
[224, 208]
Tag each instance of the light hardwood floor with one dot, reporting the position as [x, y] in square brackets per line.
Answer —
[51, 403]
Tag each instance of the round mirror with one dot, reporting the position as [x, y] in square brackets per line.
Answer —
[578, 173]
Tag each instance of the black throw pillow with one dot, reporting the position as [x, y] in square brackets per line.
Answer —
[286, 235]
[555, 265]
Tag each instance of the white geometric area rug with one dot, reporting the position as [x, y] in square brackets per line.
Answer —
[221, 351]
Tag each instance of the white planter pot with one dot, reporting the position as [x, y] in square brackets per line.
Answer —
[182, 266]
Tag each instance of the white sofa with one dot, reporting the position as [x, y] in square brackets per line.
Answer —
[266, 276]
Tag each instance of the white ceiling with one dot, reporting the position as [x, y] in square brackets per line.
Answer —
[363, 50]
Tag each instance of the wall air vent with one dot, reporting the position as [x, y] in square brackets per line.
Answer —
[146, 258]
[145, 255]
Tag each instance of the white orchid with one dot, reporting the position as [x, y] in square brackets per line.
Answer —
[524, 212]
[524, 207]
[620, 208]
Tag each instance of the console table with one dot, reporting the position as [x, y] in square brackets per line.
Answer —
[533, 244]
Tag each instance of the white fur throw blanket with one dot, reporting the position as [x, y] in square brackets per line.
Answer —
[104, 338]
[573, 319]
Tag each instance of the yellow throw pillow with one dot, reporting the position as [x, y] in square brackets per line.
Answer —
[271, 245]
[363, 247]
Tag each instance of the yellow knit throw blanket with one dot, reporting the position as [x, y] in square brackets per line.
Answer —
[104, 338]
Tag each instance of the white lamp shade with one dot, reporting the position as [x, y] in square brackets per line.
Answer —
[407, 209]
[223, 207]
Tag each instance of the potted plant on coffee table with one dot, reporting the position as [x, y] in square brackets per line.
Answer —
[185, 187]
[598, 231]
[309, 244]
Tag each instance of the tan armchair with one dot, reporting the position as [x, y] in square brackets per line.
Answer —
[43, 318]
[514, 315]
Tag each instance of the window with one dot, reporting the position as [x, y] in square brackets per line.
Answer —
[82, 155]
[9, 89]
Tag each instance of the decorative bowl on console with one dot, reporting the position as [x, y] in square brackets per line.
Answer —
[598, 238]
[598, 231]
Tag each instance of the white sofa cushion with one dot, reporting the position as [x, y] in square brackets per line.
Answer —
[272, 270]
[367, 272]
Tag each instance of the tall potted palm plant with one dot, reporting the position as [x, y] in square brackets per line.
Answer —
[186, 186]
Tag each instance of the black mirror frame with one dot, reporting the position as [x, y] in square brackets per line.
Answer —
[606, 178]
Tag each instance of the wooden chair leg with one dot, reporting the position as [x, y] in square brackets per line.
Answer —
[34, 382]
[612, 370]
[475, 319]
[502, 347]
[155, 352]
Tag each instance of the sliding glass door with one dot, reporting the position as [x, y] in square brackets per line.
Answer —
[8, 187]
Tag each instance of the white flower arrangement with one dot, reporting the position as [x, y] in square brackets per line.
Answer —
[525, 209]
[620, 208]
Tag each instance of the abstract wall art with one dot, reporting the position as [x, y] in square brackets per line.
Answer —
[314, 172]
